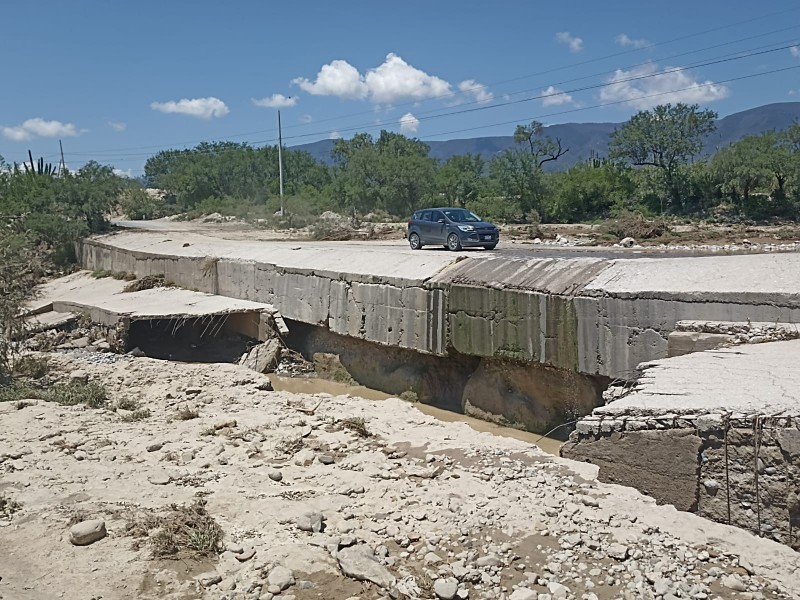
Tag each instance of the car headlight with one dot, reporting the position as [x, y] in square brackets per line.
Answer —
[466, 228]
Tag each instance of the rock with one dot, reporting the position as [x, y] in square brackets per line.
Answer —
[489, 561]
[359, 563]
[87, 532]
[745, 564]
[247, 553]
[733, 582]
[227, 424]
[304, 458]
[557, 590]
[136, 352]
[192, 391]
[310, 522]
[264, 357]
[209, 580]
[276, 475]
[155, 447]
[445, 588]
[711, 485]
[79, 376]
[280, 577]
[523, 594]
[325, 459]
[159, 478]
[627, 242]
[617, 551]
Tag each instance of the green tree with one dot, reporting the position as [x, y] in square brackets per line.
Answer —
[393, 173]
[666, 137]
[459, 179]
[587, 192]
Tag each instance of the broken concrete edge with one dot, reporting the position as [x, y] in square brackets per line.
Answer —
[264, 265]
[598, 425]
[568, 327]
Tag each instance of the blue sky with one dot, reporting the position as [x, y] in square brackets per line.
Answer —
[119, 81]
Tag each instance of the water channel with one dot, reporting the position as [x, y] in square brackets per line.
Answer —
[313, 385]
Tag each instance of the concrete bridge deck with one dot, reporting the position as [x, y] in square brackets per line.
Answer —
[596, 315]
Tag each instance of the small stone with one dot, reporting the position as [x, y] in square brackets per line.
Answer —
[79, 376]
[445, 588]
[155, 447]
[304, 458]
[276, 475]
[325, 459]
[247, 553]
[617, 551]
[159, 478]
[87, 532]
[310, 522]
[280, 577]
[523, 594]
[210, 580]
[557, 590]
[359, 563]
[732, 582]
[711, 485]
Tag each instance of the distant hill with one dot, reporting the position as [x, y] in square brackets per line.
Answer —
[583, 138]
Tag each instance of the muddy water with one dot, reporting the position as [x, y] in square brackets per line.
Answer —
[303, 385]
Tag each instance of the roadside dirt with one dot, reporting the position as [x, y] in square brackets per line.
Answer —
[302, 484]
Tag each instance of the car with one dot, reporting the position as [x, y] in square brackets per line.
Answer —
[453, 228]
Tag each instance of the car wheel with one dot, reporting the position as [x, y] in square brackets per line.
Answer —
[414, 241]
[490, 246]
[453, 242]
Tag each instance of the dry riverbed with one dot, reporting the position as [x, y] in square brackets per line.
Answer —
[313, 496]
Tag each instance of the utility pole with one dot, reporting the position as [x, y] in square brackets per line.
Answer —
[280, 160]
[62, 166]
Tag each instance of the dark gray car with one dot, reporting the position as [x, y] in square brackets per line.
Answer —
[453, 228]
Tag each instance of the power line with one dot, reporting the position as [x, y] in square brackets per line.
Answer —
[369, 126]
[528, 76]
[616, 102]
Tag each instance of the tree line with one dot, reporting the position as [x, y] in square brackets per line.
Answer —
[653, 167]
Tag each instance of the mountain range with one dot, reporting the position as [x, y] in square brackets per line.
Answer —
[587, 139]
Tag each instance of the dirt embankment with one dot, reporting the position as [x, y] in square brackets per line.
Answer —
[210, 486]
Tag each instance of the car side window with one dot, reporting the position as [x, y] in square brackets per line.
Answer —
[426, 216]
[437, 216]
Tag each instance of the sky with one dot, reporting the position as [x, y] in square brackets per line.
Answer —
[118, 81]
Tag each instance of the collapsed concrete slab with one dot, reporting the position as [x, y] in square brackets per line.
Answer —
[105, 302]
[715, 432]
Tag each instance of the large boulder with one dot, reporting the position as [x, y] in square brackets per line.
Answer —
[264, 357]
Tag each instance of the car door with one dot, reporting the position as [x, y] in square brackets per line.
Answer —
[424, 225]
[438, 233]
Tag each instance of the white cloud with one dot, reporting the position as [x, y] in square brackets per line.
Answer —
[306, 119]
[124, 173]
[795, 51]
[409, 123]
[553, 96]
[33, 128]
[275, 101]
[478, 91]
[396, 80]
[392, 81]
[575, 43]
[661, 87]
[339, 78]
[118, 126]
[334, 135]
[202, 108]
[624, 40]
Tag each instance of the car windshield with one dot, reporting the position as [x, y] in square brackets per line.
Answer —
[460, 215]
